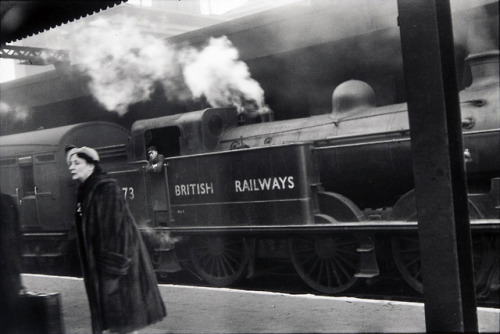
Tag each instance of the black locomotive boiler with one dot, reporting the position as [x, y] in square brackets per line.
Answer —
[331, 193]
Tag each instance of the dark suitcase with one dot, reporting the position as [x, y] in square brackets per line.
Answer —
[41, 313]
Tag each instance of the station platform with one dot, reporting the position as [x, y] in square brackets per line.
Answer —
[214, 310]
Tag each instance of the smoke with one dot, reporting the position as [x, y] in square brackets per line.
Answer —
[125, 66]
[159, 239]
[216, 73]
[483, 36]
[15, 114]
[11, 118]
[474, 27]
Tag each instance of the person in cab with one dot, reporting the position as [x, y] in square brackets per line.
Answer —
[155, 160]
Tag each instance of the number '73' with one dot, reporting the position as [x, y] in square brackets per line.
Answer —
[128, 192]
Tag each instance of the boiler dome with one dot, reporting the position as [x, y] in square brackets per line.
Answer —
[351, 95]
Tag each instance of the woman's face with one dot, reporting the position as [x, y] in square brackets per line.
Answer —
[79, 168]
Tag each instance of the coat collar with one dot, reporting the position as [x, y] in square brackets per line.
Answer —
[90, 183]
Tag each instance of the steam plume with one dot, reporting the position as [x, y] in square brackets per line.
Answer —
[216, 73]
[16, 114]
[478, 33]
[159, 239]
[125, 65]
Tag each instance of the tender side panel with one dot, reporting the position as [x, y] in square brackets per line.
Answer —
[262, 186]
[135, 185]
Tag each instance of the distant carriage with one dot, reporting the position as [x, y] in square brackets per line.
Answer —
[34, 170]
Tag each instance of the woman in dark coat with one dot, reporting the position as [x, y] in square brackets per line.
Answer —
[119, 278]
[10, 265]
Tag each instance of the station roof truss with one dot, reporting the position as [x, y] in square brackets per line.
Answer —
[34, 56]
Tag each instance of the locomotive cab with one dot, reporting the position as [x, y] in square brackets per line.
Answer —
[189, 133]
[181, 134]
[174, 135]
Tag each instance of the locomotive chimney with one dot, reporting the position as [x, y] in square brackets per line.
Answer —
[484, 68]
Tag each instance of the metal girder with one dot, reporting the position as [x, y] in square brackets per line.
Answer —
[438, 164]
[34, 56]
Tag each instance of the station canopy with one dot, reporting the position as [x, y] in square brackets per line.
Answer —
[21, 19]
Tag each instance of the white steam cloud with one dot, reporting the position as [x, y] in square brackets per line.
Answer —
[16, 114]
[217, 73]
[159, 239]
[125, 66]
[478, 33]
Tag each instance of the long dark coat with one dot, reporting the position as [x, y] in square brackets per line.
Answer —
[10, 265]
[119, 278]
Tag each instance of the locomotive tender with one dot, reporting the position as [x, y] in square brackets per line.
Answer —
[333, 193]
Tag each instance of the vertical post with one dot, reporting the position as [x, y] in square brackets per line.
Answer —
[437, 151]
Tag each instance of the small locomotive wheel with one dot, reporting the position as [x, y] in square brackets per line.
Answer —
[219, 260]
[326, 263]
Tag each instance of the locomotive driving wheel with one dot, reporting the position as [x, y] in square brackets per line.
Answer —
[219, 260]
[406, 253]
[326, 263]
[406, 249]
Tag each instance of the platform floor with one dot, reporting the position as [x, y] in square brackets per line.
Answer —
[211, 310]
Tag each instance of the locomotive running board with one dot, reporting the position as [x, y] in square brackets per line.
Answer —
[349, 227]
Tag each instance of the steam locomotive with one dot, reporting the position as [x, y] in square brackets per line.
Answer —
[331, 193]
